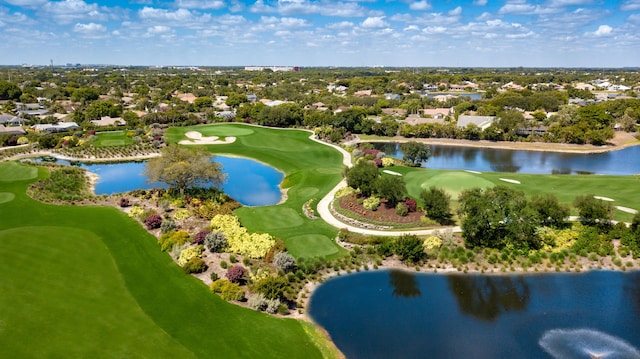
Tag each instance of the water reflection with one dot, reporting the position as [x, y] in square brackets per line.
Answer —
[487, 297]
[404, 284]
[620, 162]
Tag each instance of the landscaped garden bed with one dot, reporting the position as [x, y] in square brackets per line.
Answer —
[352, 206]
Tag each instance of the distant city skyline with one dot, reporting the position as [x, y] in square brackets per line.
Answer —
[307, 33]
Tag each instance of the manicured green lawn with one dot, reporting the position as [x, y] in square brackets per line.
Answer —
[624, 190]
[311, 171]
[113, 138]
[88, 282]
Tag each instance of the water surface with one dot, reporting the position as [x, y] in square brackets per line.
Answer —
[395, 314]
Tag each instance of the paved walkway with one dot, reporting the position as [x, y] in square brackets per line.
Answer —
[325, 203]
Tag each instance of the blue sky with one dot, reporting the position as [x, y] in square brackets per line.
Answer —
[483, 33]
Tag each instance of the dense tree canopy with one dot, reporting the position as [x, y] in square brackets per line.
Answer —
[415, 152]
[363, 176]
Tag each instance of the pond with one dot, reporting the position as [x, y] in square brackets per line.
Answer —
[621, 162]
[248, 182]
[397, 314]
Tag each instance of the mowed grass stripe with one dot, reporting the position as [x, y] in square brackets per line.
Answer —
[62, 289]
[180, 305]
[14, 171]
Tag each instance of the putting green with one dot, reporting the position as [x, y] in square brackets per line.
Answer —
[6, 197]
[452, 182]
[15, 171]
[307, 192]
[310, 245]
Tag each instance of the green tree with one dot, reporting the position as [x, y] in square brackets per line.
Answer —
[202, 102]
[550, 213]
[235, 99]
[85, 94]
[9, 91]
[415, 152]
[272, 287]
[437, 204]
[182, 168]
[363, 176]
[392, 188]
[594, 211]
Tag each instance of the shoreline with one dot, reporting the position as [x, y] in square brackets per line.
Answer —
[514, 146]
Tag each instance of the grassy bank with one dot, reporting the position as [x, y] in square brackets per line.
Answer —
[90, 282]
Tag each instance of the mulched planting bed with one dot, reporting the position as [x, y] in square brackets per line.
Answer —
[381, 215]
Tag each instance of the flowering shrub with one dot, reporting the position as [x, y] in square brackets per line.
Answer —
[181, 214]
[23, 140]
[215, 242]
[388, 162]
[170, 239]
[153, 221]
[178, 203]
[135, 211]
[201, 236]
[254, 245]
[189, 253]
[371, 203]
[432, 242]
[557, 239]
[168, 226]
[236, 274]
[227, 290]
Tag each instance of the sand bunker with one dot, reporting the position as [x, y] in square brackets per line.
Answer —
[627, 209]
[196, 138]
[392, 173]
[474, 172]
[510, 180]
[604, 198]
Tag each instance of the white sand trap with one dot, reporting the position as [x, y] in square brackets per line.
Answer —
[392, 173]
[627, 209]
[509, 180]
[604, 198]
[196, 138]
[474, 172]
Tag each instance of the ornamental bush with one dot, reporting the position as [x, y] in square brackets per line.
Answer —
[135, 211]
[189, 253]
[372, 203]
[251, 245]
[124, 202]
[170, 239]
[227, 290]
[236, 274]
[388, 161]
[257, 302]
[215, 242]
[195, 265]
[411, 204]
[432, 242]
[201, 236]
[181, 214]
[272, 287]
[401, 210]
[168, 225]
[344, 191]
[154, 221]
[284, 261]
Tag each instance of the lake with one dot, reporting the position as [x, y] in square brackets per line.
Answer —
[248, 182]
[621, 162]
[397, 314]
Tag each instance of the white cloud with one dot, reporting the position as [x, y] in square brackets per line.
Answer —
[411, 28]
[603, 30]
[630, 5]
[340, 25]
[69, 10]
[89, 28]
[563, 3]
[480, 2]
[159, 30]
[374, 22]
[420, 5]
[163, 14]
[456, 12]
[200, 4]
[26, 3]
[306, 7]
[635, 18]
[434, 30]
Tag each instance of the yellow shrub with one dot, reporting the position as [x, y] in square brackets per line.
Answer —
[432, 242]
[181, 214]
[388, 161]
[189, 253]
[252, 245]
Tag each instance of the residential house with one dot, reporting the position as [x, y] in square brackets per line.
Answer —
[56, 127]
[109, 121]
[392, 96]
[398, 112]
[252, 98]
[10, 120]
[481, 121]
[437, 113]
[12, 130]
[418, 120]
[362, 93]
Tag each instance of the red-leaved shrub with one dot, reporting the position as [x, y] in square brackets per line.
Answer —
[200, 236]
[153, 221]
[411, 204]
[235, 274]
